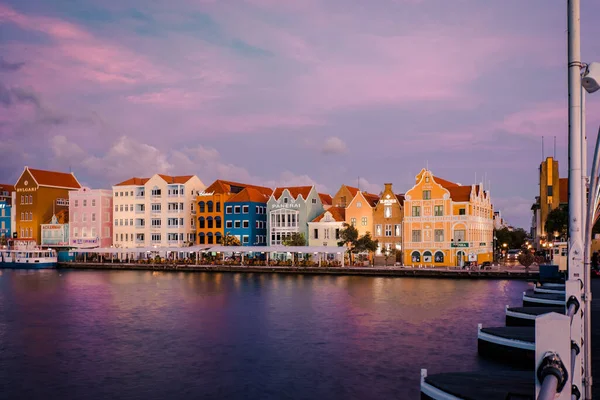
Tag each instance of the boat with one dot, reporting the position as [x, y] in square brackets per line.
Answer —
[27, 256]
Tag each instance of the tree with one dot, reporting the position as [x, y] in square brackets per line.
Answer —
[348, 238]
[558, 221]
[526, 258]
[514, 239]
[230, 240]
[366, 243]
[295, 239]
[387, 253]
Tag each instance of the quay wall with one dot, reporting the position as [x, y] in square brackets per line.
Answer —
[361, 271]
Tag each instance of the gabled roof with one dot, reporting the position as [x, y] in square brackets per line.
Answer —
[295, 191]
[134, 182]
[176, 179]
[338, 214]
[353, 191]
[6, 187]
[221, 186]
[446, 184]
[563, 190]
[460, 193]
[249, 195]
[371, 198]
[400, 198]
[54, 179]
[326, 199]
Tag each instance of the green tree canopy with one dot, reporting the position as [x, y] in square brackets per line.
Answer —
[557, 221]
[295, 239]
[514, 239]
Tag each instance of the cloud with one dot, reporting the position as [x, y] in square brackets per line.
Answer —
[12, 96]
[333, 145]
[8, 66]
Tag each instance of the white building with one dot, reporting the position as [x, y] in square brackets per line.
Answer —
[325, 229]
[158, 211]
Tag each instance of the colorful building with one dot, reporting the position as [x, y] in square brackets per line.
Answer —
[155, 212]
[55, 233]
[246, 216]
[388, 216]
[446, 223]
[210, 209]
[325, 229]
[90, 218]
[5, 220]
[326, 200]
[6, 193]
[290, 209]
[360, 212]
[40, 195]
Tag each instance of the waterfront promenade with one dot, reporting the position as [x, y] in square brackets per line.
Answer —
[496, 272]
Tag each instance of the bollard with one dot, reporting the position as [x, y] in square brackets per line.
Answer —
[553, 357]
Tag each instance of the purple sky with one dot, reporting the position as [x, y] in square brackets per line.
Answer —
[283, 92]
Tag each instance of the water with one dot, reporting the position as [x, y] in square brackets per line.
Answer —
[153, 335]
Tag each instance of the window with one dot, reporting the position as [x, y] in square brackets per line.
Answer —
[228, 224]
[316, 234]
[397, 230]
[416, 235]
[314, 201]
[388, 230]
[427, 256]
[438, 235]
[93, 234]
[353, 221]
[426, 194]
[127, 207]
[228, 209]
[22, 216]
[245, 239]
[116, 208]
[156, 207]
[218, 207]
[549, 191]
[245, 224]
[93, 217]
[326, 233]
[156, 192]
[337, 233]
[257, 224]
[209, 222]
[201, 206]
[116, 194]
[387, 211]
[416, 211]
[209, 206]
[30, 199]
[363, 221]
[358, 204]
[245, 209]
[106, 217]
[75, 232]
[121, 208]
[462, 211]
[377, 230]
[201, 222]
[217, 222]
[285, 200]
[83, 217]
[156, 222]
[237, 224]
[116, 222]
[438, 211]
[85, 203]
[415, 256]
[30, 216]
[76, 204]
[22, 202]
[131, 221]
[236, 209]
[155, 237]
[83, 232]
[459, 235]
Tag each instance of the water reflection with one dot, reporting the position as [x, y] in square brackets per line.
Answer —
[156, 335]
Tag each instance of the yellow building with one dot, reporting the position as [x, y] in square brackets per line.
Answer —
[359, 208]
[446, 223]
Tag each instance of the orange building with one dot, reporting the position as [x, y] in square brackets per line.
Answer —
[210, 208]
[388, 217]
[40, 195]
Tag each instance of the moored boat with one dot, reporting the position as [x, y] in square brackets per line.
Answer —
[27, 257]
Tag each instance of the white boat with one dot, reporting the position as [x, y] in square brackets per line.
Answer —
[27, 256]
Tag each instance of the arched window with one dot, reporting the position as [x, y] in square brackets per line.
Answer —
[210, 238]
[427, 256]
[439, 257]
[201, 223]
[209, 206]
[30, 216]
[22, 217]
[415, 256]
[201, 206]
[30, 199]
[217, 222]
[209, 221]
[218, 236]
[201, 238]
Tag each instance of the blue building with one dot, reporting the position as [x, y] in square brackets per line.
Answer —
[246, 216]
[5, 218]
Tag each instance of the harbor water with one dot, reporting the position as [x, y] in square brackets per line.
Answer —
[175, 335]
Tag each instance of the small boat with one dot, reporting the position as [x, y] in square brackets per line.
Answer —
[28, 257]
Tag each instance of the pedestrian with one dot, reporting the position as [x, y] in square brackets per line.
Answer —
[595, 261]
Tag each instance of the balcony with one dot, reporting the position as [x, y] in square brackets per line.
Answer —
[140, 226]
[174, 211]
[140, 211]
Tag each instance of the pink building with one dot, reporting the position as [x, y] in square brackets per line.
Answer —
[90, 218]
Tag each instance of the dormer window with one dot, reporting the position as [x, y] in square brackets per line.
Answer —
[285, 200]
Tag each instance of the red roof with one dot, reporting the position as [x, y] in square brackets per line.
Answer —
[181, 179]
[52, 178]
[249, 194]
[400, 198]
[563, 190]
[445, 183]
[295, 191]
[134, 182]
[338, 214]
[353, 191]
[6, 187]
[460, 193]
[326, 199]
[221, 186]
[372, 199]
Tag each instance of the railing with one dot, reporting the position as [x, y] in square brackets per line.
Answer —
[554, 372]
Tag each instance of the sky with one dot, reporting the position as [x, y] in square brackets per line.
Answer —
[292, 92]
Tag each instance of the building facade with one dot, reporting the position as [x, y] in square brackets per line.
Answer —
[5, 220]
[155, 212]
[446, 223]
[325, 229]
[210, 209]
[40, 195]
[388, 216]
[360, 212]
[90, 218]
[290, 209]
[56, 232]
[6, 192]
[246, 216]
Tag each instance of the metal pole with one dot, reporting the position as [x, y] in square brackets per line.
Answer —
[549, 388]
[576, 235]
